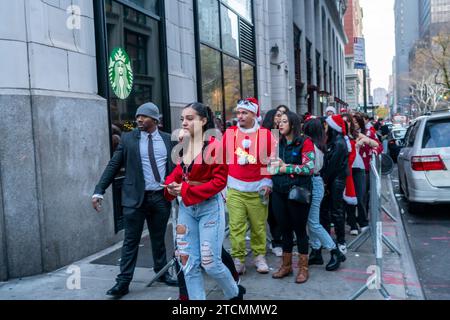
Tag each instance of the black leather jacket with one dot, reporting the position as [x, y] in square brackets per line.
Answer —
[336, 160]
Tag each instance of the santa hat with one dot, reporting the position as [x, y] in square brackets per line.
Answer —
[337, 123]
[330, 108]
[252, 105]
[343, 110]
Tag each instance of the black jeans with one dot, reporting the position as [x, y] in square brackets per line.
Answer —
[292, 217]
[274, 226]
[359, 178]
[156, 211]
[332, 209]
[227, 261]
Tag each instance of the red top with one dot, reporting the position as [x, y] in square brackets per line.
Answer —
[366, 151]
[262, 148]
[214, 175]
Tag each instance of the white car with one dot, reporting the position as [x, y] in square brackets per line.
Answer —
[424, 162]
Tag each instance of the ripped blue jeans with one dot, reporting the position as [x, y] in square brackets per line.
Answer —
[200, 234]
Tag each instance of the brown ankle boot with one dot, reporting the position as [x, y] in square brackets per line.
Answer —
[286, 268]
[303, 274]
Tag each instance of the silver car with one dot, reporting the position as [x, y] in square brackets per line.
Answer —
[424, 162]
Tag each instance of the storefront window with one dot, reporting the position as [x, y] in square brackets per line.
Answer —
[211, 78]
[138, 35]
[230, 33]
[232, 84]
[208, 12]
[248, 80]
[243, 7]
[227, 54]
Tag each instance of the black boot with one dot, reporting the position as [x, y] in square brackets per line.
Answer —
[240, 295]
[315, 258]
[336, 258]
[119, 290]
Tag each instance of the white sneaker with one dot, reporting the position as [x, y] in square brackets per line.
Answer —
[261, 264]
[354, 232]
[363, 229]
[343, 248]
[277, 251]
[240, 267]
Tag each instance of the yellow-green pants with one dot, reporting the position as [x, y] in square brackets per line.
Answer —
[243, 207]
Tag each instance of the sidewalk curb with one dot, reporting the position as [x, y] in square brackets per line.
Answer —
[407, 259]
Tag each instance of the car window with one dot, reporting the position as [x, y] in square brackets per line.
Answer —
[399, 134]
[412, 134]
[436, 134]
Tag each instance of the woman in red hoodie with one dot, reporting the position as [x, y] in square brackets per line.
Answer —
[198, 180]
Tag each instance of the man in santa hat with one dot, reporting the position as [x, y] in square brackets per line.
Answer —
[330, 111]
[248, 149]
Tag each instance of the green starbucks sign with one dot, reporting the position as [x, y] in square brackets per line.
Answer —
[120, 73]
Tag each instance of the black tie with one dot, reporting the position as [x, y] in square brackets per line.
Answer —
[151, 156]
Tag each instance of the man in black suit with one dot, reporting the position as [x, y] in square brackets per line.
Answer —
[146, 155]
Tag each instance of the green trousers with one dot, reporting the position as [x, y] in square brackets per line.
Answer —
[243, 207]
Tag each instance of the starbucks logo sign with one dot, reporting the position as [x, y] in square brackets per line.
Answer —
[120, 73]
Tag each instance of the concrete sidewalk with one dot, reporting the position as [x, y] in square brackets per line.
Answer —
[400, 276]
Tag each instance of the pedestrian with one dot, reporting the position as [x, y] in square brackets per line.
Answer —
[293, 168]
[334, 174]
[248, 149]
[330, 111]
[367, 148]
[200, 230]
[283, 109]
[275, 229]
[355, 185]
[318, 237]
[145, 155]
[361, 166]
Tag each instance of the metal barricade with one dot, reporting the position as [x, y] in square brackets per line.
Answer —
[375, 232]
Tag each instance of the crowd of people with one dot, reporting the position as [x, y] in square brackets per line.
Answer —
[306, 176]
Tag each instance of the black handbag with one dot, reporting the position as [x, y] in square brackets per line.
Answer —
[300, 194]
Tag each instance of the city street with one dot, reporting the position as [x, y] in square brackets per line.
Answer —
[296, 143]
[429, 237]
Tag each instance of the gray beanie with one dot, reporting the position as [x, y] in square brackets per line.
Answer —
[149, 110]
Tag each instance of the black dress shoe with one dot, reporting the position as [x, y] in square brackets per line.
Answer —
[119, 290]
[168, 280]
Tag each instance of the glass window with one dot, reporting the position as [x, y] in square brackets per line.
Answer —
[211, 78]
[138, 34]
[248, 80]
[150, 5]
[437, 134]
[230, 31]
[243, 7]
[227, 74]
[208, 13]
[232, 85]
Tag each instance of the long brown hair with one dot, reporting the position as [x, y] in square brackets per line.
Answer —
[360, 119]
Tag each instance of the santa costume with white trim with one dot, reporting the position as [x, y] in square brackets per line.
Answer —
[337, 123]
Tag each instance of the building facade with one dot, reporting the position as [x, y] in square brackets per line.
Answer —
[354, 82]
[77, 70]
[406, 34]
[434, 17]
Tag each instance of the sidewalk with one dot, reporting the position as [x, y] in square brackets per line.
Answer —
[399, 276]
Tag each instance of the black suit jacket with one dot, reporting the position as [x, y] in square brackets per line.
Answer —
[128, 155]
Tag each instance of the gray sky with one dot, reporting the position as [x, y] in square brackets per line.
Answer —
[379, 31]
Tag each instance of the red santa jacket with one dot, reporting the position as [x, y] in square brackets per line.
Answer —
[247, 154]
[210, 171]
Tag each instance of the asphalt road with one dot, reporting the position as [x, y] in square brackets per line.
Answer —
[429, 237]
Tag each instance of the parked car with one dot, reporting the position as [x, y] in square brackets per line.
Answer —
[424, 161]
[395, 141]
